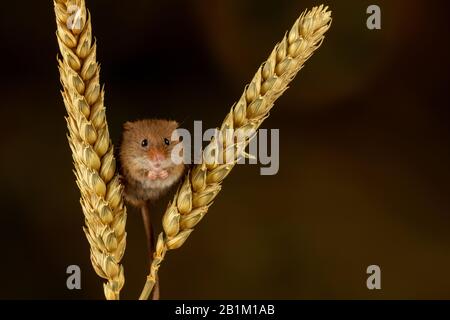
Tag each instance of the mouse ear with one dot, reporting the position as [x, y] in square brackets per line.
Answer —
[127, 125]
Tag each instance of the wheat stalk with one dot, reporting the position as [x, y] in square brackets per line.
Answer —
[92, 150]
[202, 184]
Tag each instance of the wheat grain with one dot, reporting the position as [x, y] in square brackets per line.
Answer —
[203, 183]
[92, 150]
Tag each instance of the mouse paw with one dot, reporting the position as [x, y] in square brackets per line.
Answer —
[163, 174]
[152, 175]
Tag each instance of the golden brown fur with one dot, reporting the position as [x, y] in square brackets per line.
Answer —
[148, 170]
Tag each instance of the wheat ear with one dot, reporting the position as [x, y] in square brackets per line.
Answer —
[202, 184]
[92, 150]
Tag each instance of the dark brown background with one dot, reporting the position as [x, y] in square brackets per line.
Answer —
[364, 173]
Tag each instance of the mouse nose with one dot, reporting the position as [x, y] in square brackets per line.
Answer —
[156, 157]
[159, 157]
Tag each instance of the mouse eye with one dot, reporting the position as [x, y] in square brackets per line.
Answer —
[166, 141]
[144, 143]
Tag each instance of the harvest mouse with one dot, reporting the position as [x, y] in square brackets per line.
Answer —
[145, 155]
[147, 170]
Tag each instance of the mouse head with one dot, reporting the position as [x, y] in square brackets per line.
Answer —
[147, 146]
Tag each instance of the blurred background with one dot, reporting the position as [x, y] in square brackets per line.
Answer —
[364, 141]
